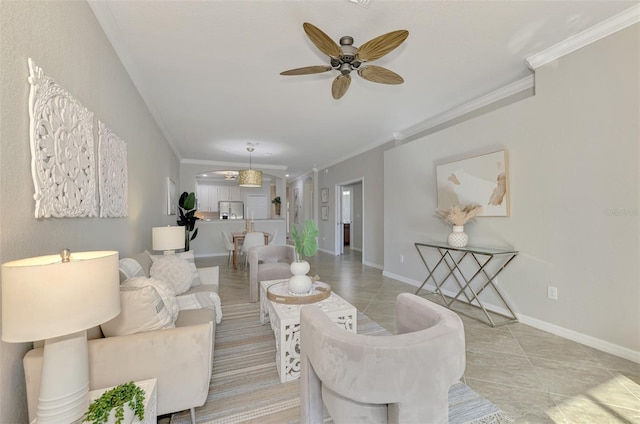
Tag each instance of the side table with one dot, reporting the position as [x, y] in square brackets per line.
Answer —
[470, 287]
[285, 323]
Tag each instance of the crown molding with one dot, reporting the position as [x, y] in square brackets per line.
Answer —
[605, 28]
[499, 94]
[232, 165]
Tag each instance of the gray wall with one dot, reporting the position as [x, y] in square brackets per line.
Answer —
[575, 195]
[64, 38]
[367, 167]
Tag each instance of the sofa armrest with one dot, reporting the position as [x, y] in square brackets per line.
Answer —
[180, 358]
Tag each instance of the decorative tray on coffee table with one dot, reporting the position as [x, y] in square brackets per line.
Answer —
[279, 293]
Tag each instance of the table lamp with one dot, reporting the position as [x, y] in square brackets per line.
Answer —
[168, 238]
[57, 298]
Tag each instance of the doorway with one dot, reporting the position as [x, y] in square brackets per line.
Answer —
[346, 217]
[349, 216]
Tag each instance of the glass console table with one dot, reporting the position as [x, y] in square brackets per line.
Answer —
[482, 274]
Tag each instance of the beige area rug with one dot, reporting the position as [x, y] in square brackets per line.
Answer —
[245, 387]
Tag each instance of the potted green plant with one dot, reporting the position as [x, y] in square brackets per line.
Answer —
[306, 245]
[187, 218]
[110, 406]
[276, 202]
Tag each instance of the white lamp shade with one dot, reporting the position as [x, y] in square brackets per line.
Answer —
[43, 297]
[167, 238]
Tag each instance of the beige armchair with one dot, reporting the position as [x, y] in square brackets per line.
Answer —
[268, 263]
[403, 378]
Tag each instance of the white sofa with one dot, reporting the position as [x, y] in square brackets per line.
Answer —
[180, 358]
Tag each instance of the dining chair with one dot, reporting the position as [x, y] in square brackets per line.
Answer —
[228, 244]
[272, 237]
[255, 238]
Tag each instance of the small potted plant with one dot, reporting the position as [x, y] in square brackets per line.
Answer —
[110, 406]
[457, 216]
[306, 245]
[276, 202]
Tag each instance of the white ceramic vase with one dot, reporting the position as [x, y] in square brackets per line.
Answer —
[300, 282]
[457, 237]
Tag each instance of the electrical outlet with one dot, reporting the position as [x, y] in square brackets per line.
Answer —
[401, 259]
[552, 292]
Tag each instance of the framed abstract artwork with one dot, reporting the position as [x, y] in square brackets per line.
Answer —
[482, 180]
[324, 212]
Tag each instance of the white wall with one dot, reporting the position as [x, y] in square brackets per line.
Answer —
[574, 157]
[64, 38]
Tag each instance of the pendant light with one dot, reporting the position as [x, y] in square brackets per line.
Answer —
[250, 177]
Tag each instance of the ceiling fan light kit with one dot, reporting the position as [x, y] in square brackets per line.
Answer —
[346, 58]
[250, 177]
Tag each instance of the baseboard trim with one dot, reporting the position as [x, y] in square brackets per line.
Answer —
[566, 333]
[330, 252]
[373, 265]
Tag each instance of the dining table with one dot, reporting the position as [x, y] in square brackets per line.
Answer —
[238, 238]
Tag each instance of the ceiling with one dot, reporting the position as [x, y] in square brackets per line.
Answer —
[209, 71]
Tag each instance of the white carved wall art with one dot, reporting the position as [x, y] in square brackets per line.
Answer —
[112, 171]
[62, 150]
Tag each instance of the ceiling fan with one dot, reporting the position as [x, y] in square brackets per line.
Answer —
[346, 58]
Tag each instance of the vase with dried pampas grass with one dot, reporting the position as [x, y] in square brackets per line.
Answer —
[458, 216]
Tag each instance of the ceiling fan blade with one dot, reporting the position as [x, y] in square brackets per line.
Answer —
[340, 86]
[379, 46]
[307, 70]
[379, 74]
[322, 40]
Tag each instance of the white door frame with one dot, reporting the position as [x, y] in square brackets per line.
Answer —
[337, 214]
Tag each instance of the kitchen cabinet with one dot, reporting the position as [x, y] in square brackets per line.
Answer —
[229, 193]
[207, 196]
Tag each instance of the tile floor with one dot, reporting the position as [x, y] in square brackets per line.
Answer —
[534, 376]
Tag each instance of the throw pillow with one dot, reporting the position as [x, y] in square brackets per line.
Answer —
[144, 259]
[196, 276]
[174, 271]
[141, 309]
[130, 268]
[187, 256]
[164, 290]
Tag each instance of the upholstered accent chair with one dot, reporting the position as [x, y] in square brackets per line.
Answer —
[402, 378]
[268, 263]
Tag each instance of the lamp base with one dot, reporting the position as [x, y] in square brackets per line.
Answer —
[64, 384]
